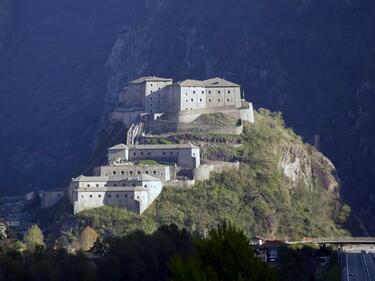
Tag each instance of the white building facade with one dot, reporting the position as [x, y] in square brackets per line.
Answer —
[135, 194]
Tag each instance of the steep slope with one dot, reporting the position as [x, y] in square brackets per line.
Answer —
[282, 187]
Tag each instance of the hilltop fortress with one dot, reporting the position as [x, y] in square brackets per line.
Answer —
[136, 171]
[167, 106]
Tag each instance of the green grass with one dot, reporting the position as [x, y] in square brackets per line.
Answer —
[147, 162]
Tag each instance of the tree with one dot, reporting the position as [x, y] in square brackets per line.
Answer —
[88, 238]
[224, 255]
[34, 238]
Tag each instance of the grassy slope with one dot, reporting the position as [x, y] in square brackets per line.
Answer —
[258, 198]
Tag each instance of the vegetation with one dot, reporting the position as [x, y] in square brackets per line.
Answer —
[167, 254]
[224, 255]
[258, 198]
[34, 238]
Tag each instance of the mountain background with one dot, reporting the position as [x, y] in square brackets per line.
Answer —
[62, 64]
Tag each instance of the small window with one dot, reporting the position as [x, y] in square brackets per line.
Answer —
[141, 153]
[139, 172]
[134, 154]
[228, 92]
[209, 92]
[209, 100]
[117, 195]
[218, 100]
[97, 185]
[171, 153]
[192, 100]
[122, 172]
[114, 173]
[133, 184]
[109, 195]
[187, 101]
[200, 100]
[82, 196]
[202, 92]
[123, 184]
[218, 92]
[147, 172]
[149, 153]
[154, 172]
[88, 185]
[145, 185]
[99, 196]
[126, 196]
[137, 197]
[115, 184]
[227, 99]
[163, 152]
[131, 172]
[193, 92]
[90, 196]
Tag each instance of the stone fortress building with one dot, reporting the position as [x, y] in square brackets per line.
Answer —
[128, 183]
[135, 174]
[181, 102]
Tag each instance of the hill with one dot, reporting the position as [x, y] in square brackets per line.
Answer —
[284, 188]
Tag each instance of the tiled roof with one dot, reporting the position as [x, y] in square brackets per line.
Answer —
[149, 79]
[219, 82]
[118, 146]
[163, 146]
[191, 83]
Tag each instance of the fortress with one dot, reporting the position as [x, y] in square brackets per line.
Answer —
[153, 98]
[135, 174]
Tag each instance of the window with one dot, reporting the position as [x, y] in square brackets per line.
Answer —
[133, 184]
[123, 184]
[193, 92]
[154, 172]
[228, 92]
[88, 185]
[97, 185]
[218, 100]
[209, 92]
[149, 153]
[117, 195]
[90, 196]
[99, 195]
[218, 92]
[187, 101]
[109, 195]
[147, 172]
[126, 196]
[145, 185]
[134, 154]
[137, 197]
[115, 184]
[163, 152]
[139, 172]
[200, 100]
[122, 172]
[114, 173]
[202, 92]
[171, 152]
[192, 100]
[209, 100]
[141, 153]
[82, 196]
[227, 99]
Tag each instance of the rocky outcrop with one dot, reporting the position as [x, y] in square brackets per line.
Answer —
[308, 168]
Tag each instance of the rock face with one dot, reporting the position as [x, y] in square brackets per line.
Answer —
[312, 60]
[308, 168]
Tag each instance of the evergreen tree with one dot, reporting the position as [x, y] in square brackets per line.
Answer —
[225, 255]
[34, 238]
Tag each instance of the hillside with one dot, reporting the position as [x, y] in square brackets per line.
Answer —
[282, 187]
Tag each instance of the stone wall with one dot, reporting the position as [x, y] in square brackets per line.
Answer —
[203, 172]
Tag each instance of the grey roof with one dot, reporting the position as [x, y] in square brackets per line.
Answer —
[118, 147]
[142, 177]
[191, 83]
[163, 146]
[149, 79]
[219, 82]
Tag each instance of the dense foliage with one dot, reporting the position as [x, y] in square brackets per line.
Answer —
[258, 198]
[138, 256]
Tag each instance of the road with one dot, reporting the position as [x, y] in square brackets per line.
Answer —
[357, 267]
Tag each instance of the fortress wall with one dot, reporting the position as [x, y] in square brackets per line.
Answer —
[204, 171]
[159, 171]
[125, 117]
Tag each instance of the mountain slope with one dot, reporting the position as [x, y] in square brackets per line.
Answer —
[282, 187]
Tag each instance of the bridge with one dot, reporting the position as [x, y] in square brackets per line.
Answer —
[336, 241]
